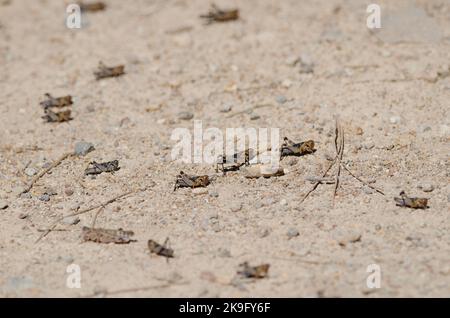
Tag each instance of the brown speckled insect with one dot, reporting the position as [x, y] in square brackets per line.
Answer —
[56, 101]
[107, 236]
[219, 15]
[105, 71]
[56, 117]
[248, 271]
[98, 168]
[290, 148]
[187, 181]
[161, 250]
[413, 203]
[234, 162]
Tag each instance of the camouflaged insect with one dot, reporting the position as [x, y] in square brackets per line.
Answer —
[290, 148]
[234, 162]
[105, 71]
[57, 117]
[98, 168]
[161, 250]
[187, 181]
[99, 235]
[56, 101]
[248, 271]
[219, 15]
[413, 203]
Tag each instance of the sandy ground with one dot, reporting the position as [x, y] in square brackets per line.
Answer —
[392, 98]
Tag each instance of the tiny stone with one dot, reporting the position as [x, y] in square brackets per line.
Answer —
[281, 99]
[395, 120]
[23, 216]
[82, 148]
[226, 108]
[213, 194]
[426, 187]
[264, 233]
[359, 131]
[369, 144]
[283, 202]
[185, 115]
[255, 117]
[368, 190]
[292, 232]
[30, 171]
[71, 220]
[45, 197]
[68, 192]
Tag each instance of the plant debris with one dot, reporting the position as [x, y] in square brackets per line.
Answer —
[187, 181]
[339, 143]
[57, 117]
[56, 101]
[248, 271]
[413, 203]
[161, 250]
[219, 15]
[98, 168]
[290, 148]
[92, 6]
[107, 236]
[104, 71]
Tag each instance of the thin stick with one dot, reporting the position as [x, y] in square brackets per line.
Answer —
[81, 212]
[317, 183]
[362, 181]
[43, 172]
[340, 153]
[135, 289]
[96, 215]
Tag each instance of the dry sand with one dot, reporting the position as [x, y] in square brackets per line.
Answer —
[392, 98]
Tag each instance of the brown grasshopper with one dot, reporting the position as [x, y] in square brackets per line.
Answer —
[219, 15]
[187, 181]
[413, 203]
[234, 162]
[56, 101]
[248, 271]
[107, 236]
[290, 148]
[105, 71]
[57, 117]
[98, 168]
[161, 250]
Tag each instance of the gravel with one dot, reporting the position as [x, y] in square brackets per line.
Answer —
[185, 115]
[292, 232]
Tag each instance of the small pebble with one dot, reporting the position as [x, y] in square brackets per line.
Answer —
[264, 233]
[213, 194]
[23, 216]
[254, 117]
[226, 108]
[223, 252]
[26, 195]
[71, 220]
[45, 197]
[395, 120]
[369, 144]
[426, 187]
[359, 131]
[68, 192]
[82, 148]
[185, 115]
[292, 232]
[30, 171]
[281, 99]
[283, 202]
